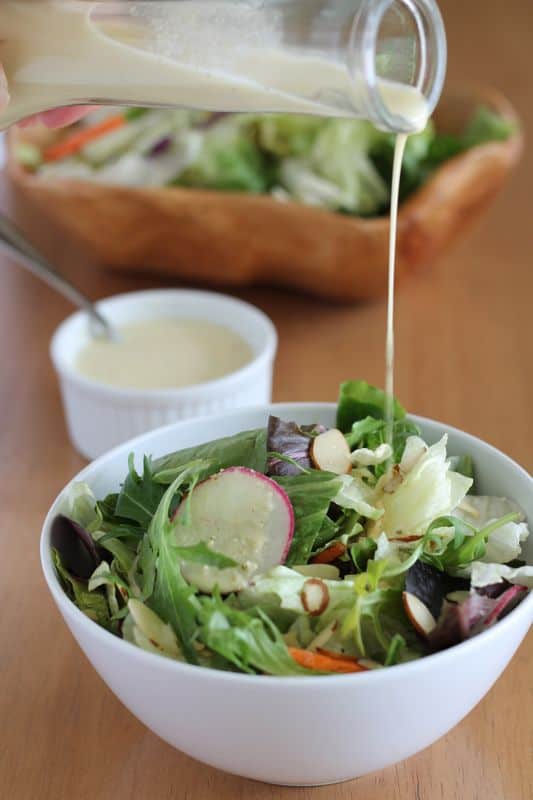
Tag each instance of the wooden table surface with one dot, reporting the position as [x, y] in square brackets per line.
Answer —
[464, 356]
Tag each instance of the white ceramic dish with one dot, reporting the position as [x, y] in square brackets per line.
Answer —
[298, 731]
[100, 417]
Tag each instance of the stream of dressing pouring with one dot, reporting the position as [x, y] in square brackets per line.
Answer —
[51, 55]
[399, 150]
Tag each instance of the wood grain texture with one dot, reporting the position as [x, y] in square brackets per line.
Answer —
[464, 356]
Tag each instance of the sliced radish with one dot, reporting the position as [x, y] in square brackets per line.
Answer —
[315, 597]
[419, 614]
[243, 515]
[331, 453]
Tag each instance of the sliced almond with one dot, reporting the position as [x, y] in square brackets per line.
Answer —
[315, 597]
[419, 614]
[468, 508]
[331, 453]
[369, 663]
[393, 479]
[152, 628]
[458, 597]
[415, 537]
[324, 636]
[324, 571]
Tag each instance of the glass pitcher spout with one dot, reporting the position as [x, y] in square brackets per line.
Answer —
[383, 60]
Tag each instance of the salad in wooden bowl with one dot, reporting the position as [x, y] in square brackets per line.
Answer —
[286, 200]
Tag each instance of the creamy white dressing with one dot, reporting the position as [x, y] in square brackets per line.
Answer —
[399, 149]
[54, 53]
[164, 354]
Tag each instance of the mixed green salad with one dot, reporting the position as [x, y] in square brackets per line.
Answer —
[342, 165]
[296, 549]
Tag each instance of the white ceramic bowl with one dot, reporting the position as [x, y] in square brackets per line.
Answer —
[100, 417]
[298, 731]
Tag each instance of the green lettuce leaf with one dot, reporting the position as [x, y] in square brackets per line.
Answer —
[330, 530]
[202, 554]
[504, 544]
[287, 134]
[358, 496]
[93, 604]
[229, 160]
[358, 400]
[115, 527]
[247, 449]
[487, 126]
[466, 544]
[139, 496]
[80, 505]
[287, 584]
[165, 590]
[117, 589]
[311, 495]
[395, 647]
[122, 551]
[484, 126]
[365, 432]
[371, 433]
[362, 551]
[247, 639]
[377, 616]
[341, 155]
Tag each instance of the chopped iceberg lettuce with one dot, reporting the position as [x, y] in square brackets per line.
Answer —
[429, 490]
[389, 561]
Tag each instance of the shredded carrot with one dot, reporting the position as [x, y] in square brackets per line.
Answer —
[330, 554]
[339, 657]
[325, 661]
[74, 143]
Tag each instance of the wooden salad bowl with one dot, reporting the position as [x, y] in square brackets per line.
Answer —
[238, 239]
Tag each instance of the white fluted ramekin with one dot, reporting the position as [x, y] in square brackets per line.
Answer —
[100, 417]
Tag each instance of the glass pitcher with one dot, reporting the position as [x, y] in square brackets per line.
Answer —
[383, 60]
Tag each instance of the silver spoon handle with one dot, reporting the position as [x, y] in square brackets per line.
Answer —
[15, 244]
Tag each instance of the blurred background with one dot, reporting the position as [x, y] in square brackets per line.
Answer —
[464, 355]
[463, 342]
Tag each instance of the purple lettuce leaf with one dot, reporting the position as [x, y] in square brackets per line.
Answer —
[494, 589]
[505, 603]
[291, 442]
[76, 547]
[160, 147]
[460, 621]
